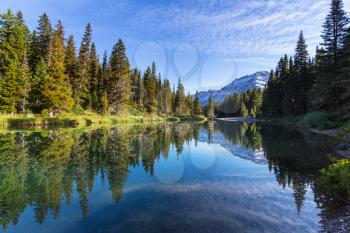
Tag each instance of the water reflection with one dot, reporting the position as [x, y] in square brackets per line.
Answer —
[43, 170]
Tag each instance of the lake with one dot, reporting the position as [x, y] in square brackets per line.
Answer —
[216, 177]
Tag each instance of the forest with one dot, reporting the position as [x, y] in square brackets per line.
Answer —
[42, 72]
[301, 85]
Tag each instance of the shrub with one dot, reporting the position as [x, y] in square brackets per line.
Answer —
[336, 178]
[322, 120]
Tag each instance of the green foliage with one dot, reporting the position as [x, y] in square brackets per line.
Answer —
[211, 113]
[322, 120]
[243, 111]
[119, 85]
[37, 100]
[57, 89]
[196, 105]
[39, 72]
[336, 178]
[150, 91]
[180, 99]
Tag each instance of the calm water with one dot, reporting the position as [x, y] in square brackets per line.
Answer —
[222, 177]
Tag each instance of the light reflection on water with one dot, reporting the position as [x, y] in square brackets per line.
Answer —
[223, 177]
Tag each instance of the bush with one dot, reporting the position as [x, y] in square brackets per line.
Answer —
[344, 133]
[322, 120]
[336, 178]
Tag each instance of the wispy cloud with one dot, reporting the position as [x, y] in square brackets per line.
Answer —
[250, 28]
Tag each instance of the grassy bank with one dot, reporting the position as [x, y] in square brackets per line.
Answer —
[73, 120]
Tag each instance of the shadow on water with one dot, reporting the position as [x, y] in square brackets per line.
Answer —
[45, 173]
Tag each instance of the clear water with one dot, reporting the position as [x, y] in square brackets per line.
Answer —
[222, 177]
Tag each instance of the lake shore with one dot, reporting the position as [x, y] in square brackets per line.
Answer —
[74, 120]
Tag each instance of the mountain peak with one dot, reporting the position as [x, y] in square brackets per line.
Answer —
[240, 85]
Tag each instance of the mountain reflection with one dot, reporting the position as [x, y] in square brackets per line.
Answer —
[42, 169]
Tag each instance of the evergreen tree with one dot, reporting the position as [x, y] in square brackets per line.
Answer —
[102, 86]
[167, 97]
[44, 31]
[243, 111]
[334, 31]
[14, 68]
[210, 113]
[272, 97]
[196, 105]
[81, 86]
[37, 100]
[342, 81]
[160, 96]
[93, 74]
[139, 91]
[180, 99]
[71, 62]
[135, 75]
[119, 85]
[302, 77]
[57, 89]
[150, 89]
[324, 94]
[24, 69]
[34, 51]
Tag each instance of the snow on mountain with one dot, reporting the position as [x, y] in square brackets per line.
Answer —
[238, 150]
[248, 82]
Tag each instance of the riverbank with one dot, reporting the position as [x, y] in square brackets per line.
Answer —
[73, 120]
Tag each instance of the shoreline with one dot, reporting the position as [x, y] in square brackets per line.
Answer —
[73, 120]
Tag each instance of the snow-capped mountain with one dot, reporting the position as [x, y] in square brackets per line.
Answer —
[256, 80]
[256, 156]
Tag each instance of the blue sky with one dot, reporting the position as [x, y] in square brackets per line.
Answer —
[207, 43]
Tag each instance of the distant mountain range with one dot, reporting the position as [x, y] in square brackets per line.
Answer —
[248, 82]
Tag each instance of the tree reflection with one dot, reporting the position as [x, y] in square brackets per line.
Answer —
[40, 169]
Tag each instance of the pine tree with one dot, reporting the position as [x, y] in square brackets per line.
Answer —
[180, 99]
[210, 113]
[81, 86]
[167, 97]
[57, 89]
[243, 111]
[9, 88]
[71, 62]
[24, 70]
[196, 105]
[44, 31]
[334, 31]
[324, 94]
[34, 51]
[160, 96]
[150, 91]
[37, 101]
[102, 86]
[341, 83]
[301, 73]
[119, 85]
[93, 74]
[13, 62]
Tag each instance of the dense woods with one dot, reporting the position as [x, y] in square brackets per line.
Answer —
[301, 84]
[42, 72]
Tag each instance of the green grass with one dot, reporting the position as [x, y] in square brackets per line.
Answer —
[82, 120]
[73, 120]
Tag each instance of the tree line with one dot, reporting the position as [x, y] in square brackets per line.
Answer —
[302, 83]
[242, 104]
[42, 72]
